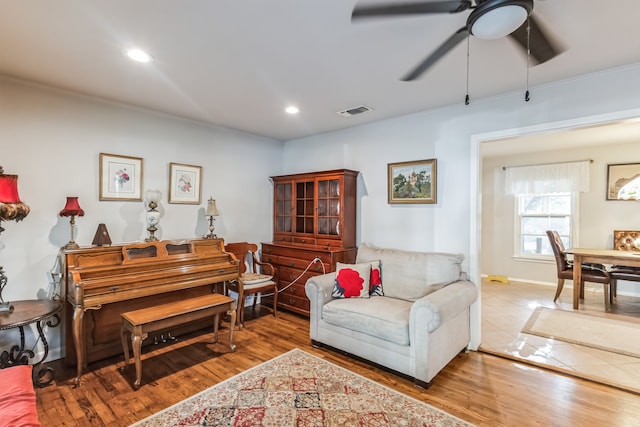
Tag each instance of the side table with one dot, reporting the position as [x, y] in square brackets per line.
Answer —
[41, 312]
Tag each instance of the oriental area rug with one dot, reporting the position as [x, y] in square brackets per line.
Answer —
[616, 336]
[299, 389]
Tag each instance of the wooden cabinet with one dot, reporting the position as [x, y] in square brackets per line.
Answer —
[314, 217]
[316, 208]
[291, 261]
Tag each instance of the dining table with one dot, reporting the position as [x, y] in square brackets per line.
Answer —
[599, 256]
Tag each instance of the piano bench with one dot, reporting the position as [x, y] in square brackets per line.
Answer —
[139, 323]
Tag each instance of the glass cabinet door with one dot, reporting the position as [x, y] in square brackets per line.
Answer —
[305, 206]
[329, 207]
[283, 207]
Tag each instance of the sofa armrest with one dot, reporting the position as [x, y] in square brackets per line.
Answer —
[318, 288]
[430, 311]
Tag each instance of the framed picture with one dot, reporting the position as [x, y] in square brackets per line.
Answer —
[184, 183]
[623, 181]
[120, 177]
[412, 182]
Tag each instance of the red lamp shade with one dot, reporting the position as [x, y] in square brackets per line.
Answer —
[9, 189]
[72, 208]
[11, 208]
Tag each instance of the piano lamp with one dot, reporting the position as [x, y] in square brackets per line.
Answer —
[72, 209]
[212, 211]
[152, 197]
[11, 208]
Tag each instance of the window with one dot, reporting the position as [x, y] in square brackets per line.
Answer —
[537, 213]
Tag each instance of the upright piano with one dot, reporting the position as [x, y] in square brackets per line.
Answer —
[103, 282]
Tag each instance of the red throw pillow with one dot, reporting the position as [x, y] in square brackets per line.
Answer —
[352, 281]
[17, 397]
[375, 281]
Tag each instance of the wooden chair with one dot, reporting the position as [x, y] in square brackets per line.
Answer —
[595, 273]
[254, 277]
[623, 240]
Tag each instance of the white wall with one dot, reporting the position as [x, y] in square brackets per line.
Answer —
[452, 135]
[597, 216]
[52, 140]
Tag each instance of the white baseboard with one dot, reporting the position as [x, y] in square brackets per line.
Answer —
[569, 284]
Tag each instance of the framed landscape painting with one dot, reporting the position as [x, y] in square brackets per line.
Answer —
[623, 181]
[120, 177]
[184, 183]
[412, 182]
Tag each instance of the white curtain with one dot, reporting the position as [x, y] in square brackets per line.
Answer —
[568, 177]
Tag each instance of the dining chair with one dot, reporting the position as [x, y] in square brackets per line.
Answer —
[254, 277]
[624, 240]
[595, 273]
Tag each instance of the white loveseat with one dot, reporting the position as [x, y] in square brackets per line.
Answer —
[416, 328]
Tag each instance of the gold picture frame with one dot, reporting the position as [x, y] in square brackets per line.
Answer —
[185, 183]
[120, 177]
[413, 182]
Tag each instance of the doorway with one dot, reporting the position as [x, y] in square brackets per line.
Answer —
[533, 145]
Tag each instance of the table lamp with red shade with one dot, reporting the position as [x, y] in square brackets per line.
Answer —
[72, 209]
[11, 208]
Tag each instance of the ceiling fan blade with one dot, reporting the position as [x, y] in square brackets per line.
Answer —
[392, 9]
[543, 46]
[442, 50]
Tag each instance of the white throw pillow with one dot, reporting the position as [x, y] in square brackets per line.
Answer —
[352, 280]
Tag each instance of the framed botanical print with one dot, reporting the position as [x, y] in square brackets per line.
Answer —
[120, 177]
[184, 183]
[412, 182]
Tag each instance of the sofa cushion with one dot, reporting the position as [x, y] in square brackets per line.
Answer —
[352, 280]
[17, 397]
[381, 317]
[412, 275]
[375, 280]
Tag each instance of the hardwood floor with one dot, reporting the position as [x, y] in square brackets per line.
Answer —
[482, 389]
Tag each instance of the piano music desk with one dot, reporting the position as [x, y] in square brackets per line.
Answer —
[139, 323]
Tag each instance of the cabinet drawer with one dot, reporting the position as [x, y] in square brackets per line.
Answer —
[317, 268]
[282, 238]
[290, 302]
[304, 240]
[293, 302]
[298, 252]
[297, 289]
[329, 243]
[271, 259]
[302, 263]
[288, 275]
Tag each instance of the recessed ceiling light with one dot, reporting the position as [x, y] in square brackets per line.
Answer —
[139, 55]
[292, 109]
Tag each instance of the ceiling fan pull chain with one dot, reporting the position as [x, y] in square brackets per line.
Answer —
[526, 95]
[466, 98]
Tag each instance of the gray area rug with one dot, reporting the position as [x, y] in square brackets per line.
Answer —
[617, 336]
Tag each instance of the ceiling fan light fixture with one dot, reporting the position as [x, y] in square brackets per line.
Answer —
[494, 19]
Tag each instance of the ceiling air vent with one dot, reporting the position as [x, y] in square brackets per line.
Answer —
[353, 111]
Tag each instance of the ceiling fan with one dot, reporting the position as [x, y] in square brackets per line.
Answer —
[489, 19]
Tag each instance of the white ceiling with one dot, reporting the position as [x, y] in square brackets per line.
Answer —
[238, 63]
[614, 132]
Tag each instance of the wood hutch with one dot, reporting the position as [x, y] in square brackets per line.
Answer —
[314, 216]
